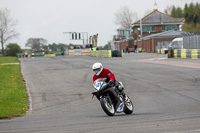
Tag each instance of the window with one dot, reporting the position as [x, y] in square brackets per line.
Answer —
[168, 27]
[147, 28]
[121, 32]
[135, 30]
[153, 28]
[177, 44]
[163, 27]
[127, 33]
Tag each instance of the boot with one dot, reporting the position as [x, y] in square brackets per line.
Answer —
[123, 94]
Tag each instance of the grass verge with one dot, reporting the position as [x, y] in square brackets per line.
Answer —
[9, 60]
[13, 95]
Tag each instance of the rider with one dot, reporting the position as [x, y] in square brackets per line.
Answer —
[100, 72]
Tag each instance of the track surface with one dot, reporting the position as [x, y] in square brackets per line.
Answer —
[166, 96]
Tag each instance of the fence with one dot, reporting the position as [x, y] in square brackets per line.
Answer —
[191, 42]
[79, 52]
[161, 45]
[191, 48]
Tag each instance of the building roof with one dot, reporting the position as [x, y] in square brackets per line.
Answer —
[158, 17]
[170, 33]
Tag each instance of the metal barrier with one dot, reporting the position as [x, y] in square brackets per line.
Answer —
[191, 42]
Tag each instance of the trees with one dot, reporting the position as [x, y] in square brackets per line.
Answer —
[191, 13]
[7, 28]
[196, 17]
[36, 43]
[45, 48]
[52, 47]
[177, 12]
[192, 18]
[62, 47]
[125, 17]
[185, 13]
[12, 49]
[57, 47]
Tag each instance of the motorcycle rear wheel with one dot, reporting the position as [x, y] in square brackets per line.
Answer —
[128, 106]
[107, 106]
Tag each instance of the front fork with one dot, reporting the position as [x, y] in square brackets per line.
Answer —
[113, 92]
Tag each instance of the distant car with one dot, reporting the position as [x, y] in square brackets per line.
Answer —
[177, 43]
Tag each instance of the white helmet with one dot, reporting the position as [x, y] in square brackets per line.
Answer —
[97, 68]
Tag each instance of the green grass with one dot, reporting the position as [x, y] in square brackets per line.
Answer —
[13, 95]
[9, 60]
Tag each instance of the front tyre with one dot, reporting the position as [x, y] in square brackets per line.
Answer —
[128, 105]
[107, 106]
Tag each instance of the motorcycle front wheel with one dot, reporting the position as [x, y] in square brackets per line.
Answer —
[107, 106]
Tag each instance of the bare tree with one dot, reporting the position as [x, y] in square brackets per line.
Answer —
[36, 43]
[7, 30]
[168, 10]
[125, 17]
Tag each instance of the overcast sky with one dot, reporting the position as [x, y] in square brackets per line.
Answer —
[48, 19]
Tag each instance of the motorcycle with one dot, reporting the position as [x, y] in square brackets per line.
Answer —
[111, 99]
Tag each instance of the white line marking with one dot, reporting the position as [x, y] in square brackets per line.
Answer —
[163, 58]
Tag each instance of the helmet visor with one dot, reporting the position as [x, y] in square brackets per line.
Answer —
[96, 70]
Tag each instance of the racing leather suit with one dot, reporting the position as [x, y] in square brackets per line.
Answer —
[105, 74]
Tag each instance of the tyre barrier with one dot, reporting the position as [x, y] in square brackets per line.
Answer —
[117, 53]
[159, 51]
[66, 53]
[50, 55]
[162, 51]
[102, 53]
[184, 53]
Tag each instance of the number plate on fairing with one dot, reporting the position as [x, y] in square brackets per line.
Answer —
[98, 85]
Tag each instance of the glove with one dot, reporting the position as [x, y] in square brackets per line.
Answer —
[111, 83]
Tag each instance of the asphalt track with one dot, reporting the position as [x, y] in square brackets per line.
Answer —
[165, 93]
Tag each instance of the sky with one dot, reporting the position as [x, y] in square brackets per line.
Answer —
[48, 19]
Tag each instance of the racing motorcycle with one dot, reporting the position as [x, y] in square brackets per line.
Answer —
[111, 99]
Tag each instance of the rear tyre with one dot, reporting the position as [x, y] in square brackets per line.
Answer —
[128, 105]
[108, 107]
